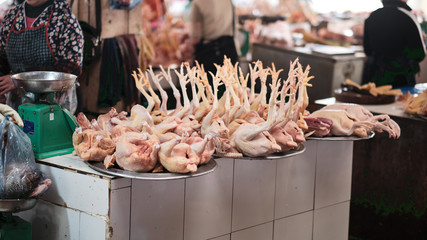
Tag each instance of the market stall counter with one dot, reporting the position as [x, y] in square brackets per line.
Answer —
[330, 65]
[304, 196]
[388, 179]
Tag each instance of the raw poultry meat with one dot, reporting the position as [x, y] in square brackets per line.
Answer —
[202, 147]
[104, 120]
[350, 119]
[416, 105]
[239, 123]
[177, 156]
[90, 142]
[319, 126]
[137, 151]
[255, 139]
[342, 123]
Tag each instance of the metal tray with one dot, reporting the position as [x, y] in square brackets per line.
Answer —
[342, 138]
[359, 98]
[118, 172]
[16, 205]
[44, 81]
[275, 156]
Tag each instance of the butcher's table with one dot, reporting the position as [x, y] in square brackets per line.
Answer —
[306, 196]
[389, 179]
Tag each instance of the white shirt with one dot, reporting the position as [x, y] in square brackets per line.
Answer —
[211, 19]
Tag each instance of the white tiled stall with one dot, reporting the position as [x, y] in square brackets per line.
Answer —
[80, 204]
[305, 196]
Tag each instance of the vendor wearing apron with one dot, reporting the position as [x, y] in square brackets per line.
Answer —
[39, 35]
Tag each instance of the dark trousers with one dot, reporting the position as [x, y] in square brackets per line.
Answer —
[214, 52]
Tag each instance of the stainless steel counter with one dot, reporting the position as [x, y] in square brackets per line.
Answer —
[393, 109]
[329, 70]
[389, 187]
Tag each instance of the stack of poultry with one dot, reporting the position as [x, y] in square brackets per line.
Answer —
[416, 105]
[346, 119]
[239, 123]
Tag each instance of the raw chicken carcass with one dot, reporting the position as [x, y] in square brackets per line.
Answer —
[319, 126]
[283, 138]
[104, 120]
[137, 151]
[377, 123]
[138, 115]
[241, 122]
[416, 105]
[178, 157]
[90, 142]
[295, 131]
[254, 139]
[92, 145]
[342, 123]
[202, 147]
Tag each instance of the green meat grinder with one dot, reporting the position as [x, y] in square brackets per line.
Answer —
[14, 227]
[49, 126]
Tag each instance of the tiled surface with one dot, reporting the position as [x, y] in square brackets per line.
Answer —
[295, 182]
[253, 193]
[331, 223]
[157, 210]
[120, 213]
[52, 222]
[71, 162]
[92, 227]
[333, 172]
[78, 191]
[225, 237]
[237, 201]
[208, 201]
[297, 227]
[260, 232]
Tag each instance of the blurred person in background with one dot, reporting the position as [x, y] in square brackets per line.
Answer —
[213, 32]
[394, 44]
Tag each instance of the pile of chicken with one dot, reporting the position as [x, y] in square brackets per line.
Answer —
[239, 123]
[416, 105]
[346, 119]
[372, 89]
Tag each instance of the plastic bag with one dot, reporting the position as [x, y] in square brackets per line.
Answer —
[19, 175]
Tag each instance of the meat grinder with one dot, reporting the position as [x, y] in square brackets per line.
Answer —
[48, 125]
[14, 227]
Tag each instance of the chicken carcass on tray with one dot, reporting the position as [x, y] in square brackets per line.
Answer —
[416, 105]
[347, 119]
[240, 123]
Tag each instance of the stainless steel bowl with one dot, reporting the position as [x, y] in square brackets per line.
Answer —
[44, 81]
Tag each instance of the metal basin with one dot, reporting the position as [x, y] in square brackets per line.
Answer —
[44, 81]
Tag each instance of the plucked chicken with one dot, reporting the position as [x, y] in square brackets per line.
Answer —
[350, 119]
[240, 123]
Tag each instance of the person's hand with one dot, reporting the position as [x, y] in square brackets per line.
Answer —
[6, 110]
[6, 84]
